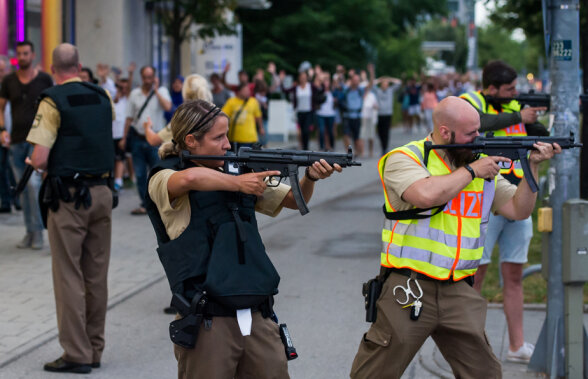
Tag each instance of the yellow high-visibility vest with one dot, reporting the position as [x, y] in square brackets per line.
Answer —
[516, 130]
[450, 242]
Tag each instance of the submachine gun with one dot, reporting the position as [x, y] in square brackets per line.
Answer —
[513, 148]
[287, 162]
[532, 99]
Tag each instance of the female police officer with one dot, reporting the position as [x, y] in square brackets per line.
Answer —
[211, 250]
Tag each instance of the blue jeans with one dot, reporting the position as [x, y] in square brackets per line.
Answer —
[326, 124]
[30, 196]
[144, 159]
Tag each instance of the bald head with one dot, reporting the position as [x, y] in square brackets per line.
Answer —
[455, 114]
[66, 59]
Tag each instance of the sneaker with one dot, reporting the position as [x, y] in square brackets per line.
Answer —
[26, 241]
[522, 355]
[37, 240]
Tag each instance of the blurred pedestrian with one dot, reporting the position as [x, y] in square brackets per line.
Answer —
[22, 88]
[72, 134]
[245, 123]
[123, 89]
[429, 103]
[385, 95]
[326, 116]
[352, 101]
[148, 101]
[176, 97]
[195, 87]
[87, 75]
[6, 175]
[220, 94]
[262, 99]
[369, 118]
[304, 100]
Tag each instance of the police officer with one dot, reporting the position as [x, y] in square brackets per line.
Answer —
[72, 134]
[211, 250]
[428, 262]
[506, 118]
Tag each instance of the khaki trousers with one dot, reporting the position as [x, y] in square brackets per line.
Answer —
[221, 352]
[80, 252]
[453, 314]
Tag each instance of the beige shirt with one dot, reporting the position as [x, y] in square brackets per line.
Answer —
[47, 120]
[401, 171]
[176, 215]
[165, 134]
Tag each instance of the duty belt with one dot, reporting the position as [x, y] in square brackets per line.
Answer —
[417, 275]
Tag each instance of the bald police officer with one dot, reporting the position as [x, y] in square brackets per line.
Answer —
[72, 134]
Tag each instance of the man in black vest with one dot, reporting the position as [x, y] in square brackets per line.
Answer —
[72, 135]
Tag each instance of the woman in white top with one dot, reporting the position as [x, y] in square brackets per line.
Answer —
[326, 116]
[304, 100]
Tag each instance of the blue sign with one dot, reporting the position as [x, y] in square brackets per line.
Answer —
[561, 50]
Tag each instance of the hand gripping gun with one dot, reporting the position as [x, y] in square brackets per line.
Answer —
[287, 162]
[514, 148]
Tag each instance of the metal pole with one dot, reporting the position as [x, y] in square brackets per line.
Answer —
[564, 69]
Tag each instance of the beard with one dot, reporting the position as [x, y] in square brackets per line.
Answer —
[460, 157]
[24, 64]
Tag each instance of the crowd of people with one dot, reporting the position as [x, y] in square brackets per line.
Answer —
[142, 131]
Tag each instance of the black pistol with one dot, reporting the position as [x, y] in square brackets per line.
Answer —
[184, 331]
[371, 292]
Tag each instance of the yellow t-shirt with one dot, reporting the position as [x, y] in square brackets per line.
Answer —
[47, 120]
[244, 129]
[402, 171]
[176, 215]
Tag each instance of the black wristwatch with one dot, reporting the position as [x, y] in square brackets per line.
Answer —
[471, 170]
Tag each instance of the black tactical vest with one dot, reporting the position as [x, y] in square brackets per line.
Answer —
[220, 252]
[84, 140]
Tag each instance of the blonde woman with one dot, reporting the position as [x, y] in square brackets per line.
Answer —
[195, 87]
[211, 250]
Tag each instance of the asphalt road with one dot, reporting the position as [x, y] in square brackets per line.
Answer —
[322, 257]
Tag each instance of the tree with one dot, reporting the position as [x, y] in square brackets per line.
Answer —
[331, 32]
[494, 42]
[178, 16]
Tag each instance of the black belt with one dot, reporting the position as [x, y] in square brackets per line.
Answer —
[408, 272]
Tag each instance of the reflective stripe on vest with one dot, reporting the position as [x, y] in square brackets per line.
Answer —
[452, 241]
[516, 130]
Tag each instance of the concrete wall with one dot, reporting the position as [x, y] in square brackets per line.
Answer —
[113, 32]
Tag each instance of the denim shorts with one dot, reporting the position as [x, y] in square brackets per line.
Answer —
[513, 238]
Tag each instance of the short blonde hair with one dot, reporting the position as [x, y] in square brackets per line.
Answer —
[196, 88]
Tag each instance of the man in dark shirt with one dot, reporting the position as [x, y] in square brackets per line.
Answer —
[22, 88]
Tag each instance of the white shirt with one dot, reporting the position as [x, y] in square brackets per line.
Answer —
[327, 108]
[118, 125]
[304, 98]
[369, 109]
[153, 109]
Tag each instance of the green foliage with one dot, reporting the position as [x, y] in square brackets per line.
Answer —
[400, 55]
[328, 33]
[494, 42]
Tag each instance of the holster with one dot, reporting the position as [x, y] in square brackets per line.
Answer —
[371, 291]
[184, 332]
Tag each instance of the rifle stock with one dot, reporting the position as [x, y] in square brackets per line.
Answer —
[513, 148]
[286, 161]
